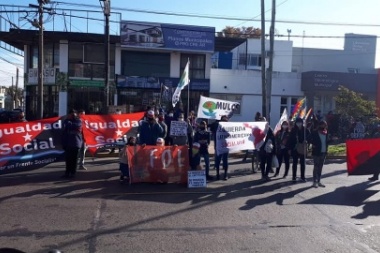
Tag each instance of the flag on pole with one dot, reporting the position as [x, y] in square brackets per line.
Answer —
[298, 107]
[284, 117]
[308, 113]
[182, 84]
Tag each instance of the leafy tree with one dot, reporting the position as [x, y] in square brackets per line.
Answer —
[350, 104]
[16, 95]
[240, 32]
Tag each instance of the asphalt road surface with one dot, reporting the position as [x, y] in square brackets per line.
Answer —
[94, 213]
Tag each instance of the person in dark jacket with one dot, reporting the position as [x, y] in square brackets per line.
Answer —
[297, 139]
[266, 153]
[282, 137]
[149, 130]
[168, 121]
[72, 141]
[319, 139]
[203, 137]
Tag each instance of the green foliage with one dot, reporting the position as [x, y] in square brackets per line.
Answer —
[351, 104]
[337, 150]
[240, 32]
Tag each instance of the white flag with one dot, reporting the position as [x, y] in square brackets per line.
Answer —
[284, 117]
[182, 84]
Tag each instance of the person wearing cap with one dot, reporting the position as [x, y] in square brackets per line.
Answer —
[203, 138]
[149, 130]
[72, 140]
[160, 142]
[297, 148]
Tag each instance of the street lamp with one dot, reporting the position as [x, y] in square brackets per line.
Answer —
[106, 6]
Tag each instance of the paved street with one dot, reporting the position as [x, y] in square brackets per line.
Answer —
[94, 213]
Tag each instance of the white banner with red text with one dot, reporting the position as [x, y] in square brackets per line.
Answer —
[236, 136]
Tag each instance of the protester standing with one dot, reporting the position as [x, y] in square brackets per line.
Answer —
[168, 120]
[319, 139]
[123, 160]
[282, 137]
[83, 149]
[149, 130]
[72, 142]
[161, 122]
[297, 148]
[222, 157]
[203, 137]
[266, 152]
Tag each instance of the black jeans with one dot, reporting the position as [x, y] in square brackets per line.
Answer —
[71, 159]
[283, 155]
[295, 157]
[265, 163]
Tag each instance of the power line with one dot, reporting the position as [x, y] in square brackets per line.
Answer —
[208, 16]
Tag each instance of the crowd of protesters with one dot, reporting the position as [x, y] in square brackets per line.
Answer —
[291, 141]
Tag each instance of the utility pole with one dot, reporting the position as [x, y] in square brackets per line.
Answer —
[107, 13]
[40, 25]
[263, 70]
[16, 91]
[270, 67]
[40, 98]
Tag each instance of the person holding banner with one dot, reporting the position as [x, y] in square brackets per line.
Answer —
[203, 137]
[297, 148]
[72, 140]
[123, 160]
[267, 151]
[222, 157]
[149, 130]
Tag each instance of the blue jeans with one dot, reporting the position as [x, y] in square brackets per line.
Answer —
[219, 158]
[206, 158]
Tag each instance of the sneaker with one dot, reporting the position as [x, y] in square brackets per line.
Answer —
[303, 180]
[225, 178]
[294, 180]
[373, 178]
[315, 185]
[321, 185]
[121, 179]
[275, 175]
[82, 167]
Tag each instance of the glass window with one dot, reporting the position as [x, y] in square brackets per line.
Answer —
[75, 53]
[197, 65]
[145, 64]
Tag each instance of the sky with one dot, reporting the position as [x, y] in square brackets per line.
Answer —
[313, 23]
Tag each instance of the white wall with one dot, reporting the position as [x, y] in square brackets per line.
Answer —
[282, 57]
[248, 84]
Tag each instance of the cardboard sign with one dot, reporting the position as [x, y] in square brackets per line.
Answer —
[178, 128]
[196, 179]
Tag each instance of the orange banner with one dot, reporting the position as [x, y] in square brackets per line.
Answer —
[152, 164]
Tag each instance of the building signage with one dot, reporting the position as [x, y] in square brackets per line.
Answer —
[48, 76]
[167, 36]
[86, 83]
[330, 81]
[155, 83]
